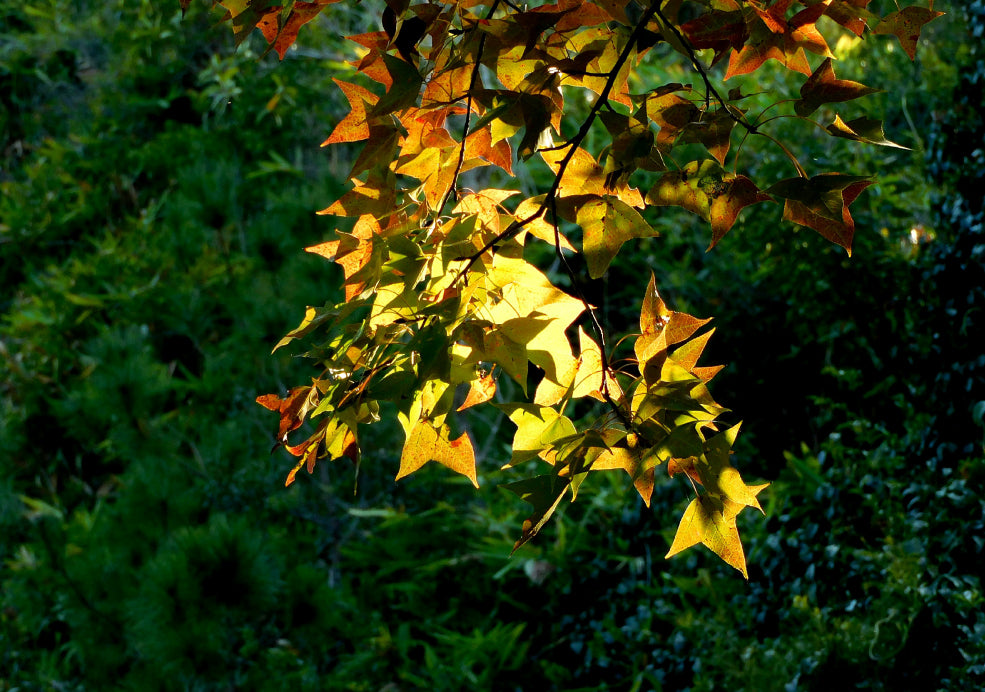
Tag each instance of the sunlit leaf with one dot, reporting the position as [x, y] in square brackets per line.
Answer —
[706, 520]
[864, 129]
[427, 443]
[608, 222]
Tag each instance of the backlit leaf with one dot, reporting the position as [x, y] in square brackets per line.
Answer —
[906, 25]
[823, 87]
[706, 521]
[537, 429]
[608, 222]
[862, 129]
[703, 188]
[281, 33]
[481, 390]
[545, 494]
[427, 443]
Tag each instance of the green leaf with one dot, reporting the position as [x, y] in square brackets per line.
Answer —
[545, 494]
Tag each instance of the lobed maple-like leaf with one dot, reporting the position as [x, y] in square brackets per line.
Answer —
[711, 522]
[440, 291]
[292, 409]
[774, 37]
[703, 188]
[637, 462]
[851, 14]
[281, 32]
[906, 25]
[719, 31]
[823, 87]
[354, 252]
[538, 428]
[428, 443]
[822, 203]
[607, 222]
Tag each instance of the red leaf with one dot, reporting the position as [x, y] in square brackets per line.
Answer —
[282, 37]
[291, 409]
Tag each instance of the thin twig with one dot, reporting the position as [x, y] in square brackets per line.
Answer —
[514, 228]
[473, 79]
[700, 69]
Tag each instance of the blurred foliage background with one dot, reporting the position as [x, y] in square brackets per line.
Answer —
[156, 189]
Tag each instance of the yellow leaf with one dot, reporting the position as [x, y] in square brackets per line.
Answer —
[705, 522]
[608, 222]
[720, 477]
[540, 227]
[525, 290]
[588, 381]
[538, 428]
[426, 443]
[638, 463]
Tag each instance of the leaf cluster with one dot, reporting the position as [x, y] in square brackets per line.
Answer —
[442, 306]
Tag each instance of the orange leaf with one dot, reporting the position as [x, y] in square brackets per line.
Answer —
[291, 408]
[282, 37]
[354, 127]
[686, 465]
[481, 390]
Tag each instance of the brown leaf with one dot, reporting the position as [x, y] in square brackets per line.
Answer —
[292, 409]
[906, 26]
[719, 31]
[823, 87]
[816, 215]
[282, 36]
[851, 14]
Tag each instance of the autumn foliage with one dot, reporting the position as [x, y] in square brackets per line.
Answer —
[443, 311]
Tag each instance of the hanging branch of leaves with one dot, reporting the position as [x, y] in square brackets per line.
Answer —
[441, 305]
